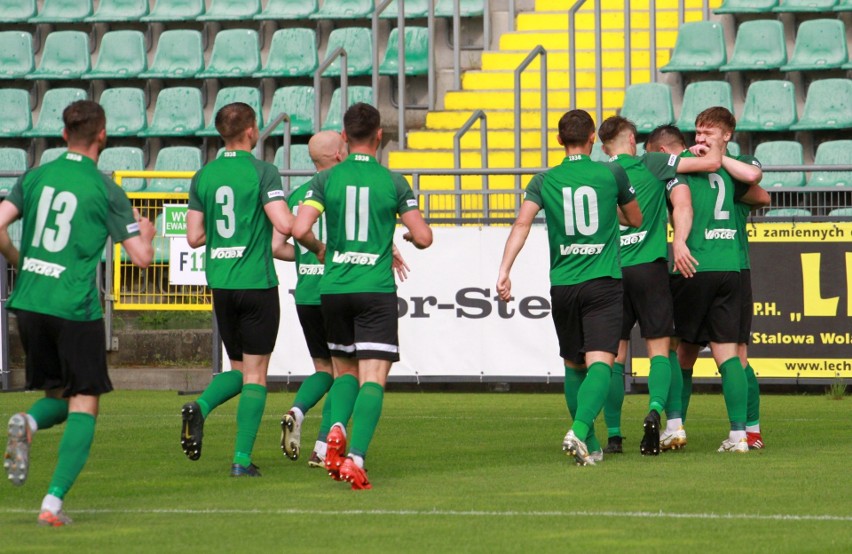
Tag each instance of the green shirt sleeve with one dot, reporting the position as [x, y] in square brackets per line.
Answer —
[679, 179]
[405, 196]
[16, 195]
[745, 158]
[120, 221]
[315, 196]
[533, 190]
[626, 192]
[662, 166]
[194, 200]
[270, 183]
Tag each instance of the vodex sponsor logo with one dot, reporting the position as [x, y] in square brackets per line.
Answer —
[580, 249]
[720, 234]
[227, 253]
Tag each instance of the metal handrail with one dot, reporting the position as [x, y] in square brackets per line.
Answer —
[572, 50]
[628, 46]
[430, 53]
[534, 53]
[511, 16]
[400, 71]
[281, 118]
[486, 37]
[483, 148]
[598, 65]
[652, 49]
[344, 84]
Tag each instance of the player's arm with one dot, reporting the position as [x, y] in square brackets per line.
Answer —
[517, 238]
[195, 234]
[399, 265]
[681, 200]
[279, 214]
[419, 233]
[140, 247]
[8, 214]
[630, 214]
[628, 208]
[303, 229]
[707, 160]
[126, 226]
[743, 171]
[281, 249]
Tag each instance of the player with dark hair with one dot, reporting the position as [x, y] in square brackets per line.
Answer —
[69, 209]
[644, 264]
[235, 202]
[582, 201]
[361, 200]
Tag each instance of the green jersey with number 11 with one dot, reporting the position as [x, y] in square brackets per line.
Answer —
[231, 192]
[361, 200]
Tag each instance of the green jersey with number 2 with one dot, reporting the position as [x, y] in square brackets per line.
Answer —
[309, 270]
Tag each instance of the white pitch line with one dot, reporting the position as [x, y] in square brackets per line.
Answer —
[459, 513]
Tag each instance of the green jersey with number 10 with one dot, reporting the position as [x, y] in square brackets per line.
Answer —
[68, 209]
[309, 270]
[580, 198]
[231, 192]
[361, 200]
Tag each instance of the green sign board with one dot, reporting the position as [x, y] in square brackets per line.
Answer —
[174, 220]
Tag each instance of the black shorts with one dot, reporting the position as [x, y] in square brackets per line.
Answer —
[587, 317]
[648, 299]
[65, 354]
[362, 325]
[248, 320]
[707, 306]
[747, 306]
[313, 327]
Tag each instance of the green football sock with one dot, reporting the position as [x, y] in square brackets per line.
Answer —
[222, 388]
[591, 441]
[325, 424]
[48, 412]
[312, 390]
[249, 414]
[659, 383]
[573, 379]
[753, 406]
[674, 401]
[365, 417]
[686, 393]
[73, 452]
[735, 390]
[591, 397]
[342, 395]
[614, 401]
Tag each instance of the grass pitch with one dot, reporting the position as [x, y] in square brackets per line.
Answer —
[451, 473]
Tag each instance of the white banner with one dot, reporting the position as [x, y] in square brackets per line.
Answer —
[186, 264]
[450, 321]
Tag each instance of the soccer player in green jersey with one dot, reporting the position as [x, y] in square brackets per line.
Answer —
[361, 200]
[69, 209]
[235, 202]
[582, 201]
[644, 264]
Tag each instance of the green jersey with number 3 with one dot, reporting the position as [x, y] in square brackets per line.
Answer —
[309, 270]
[580, 198]
[231, 192]
[68, 209]
[361, 200]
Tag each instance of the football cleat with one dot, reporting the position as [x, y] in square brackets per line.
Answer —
[673, 440]
[614, 446]
[291, 436]
[238, 470]
[16, 460]
[740, 446]
[596, 456]
[755, 441]
[192, 430]
[577, 448]
[354, 475]
[48, 519]
[334, 456]
[650, 444]
[315, 460]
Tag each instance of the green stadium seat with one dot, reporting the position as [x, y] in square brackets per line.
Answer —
[16, 54]
[110, 11]
[820, 44]
[416, 52]
[759, 46]
[827, 106]
[843, 6]
[345, 9]
[11, 159]
[299, 159]
[413, 9]
[788, 212]
[123, 158]
[178, 113]
[63, 11]
[53, 103]
[355, 94]
[126, 111]
[51, 154]
[358, 43]
[769, 106]
[17, 11]
[65, 56]
[161, 243]
[701, 95]
[840, 212]
[179, 56]
[298, 103]
[288, 10]
[781, 152]
[16, 115]
[176, 10]
[231, 10]
[700, 46]
[235, 54]
[648, 105]
[228, 95]
[746, 6]
[804, 6]
[733, 149]
[122, 55]
[175, 158]
[835, 152]
[467, 8]
[292, 53]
